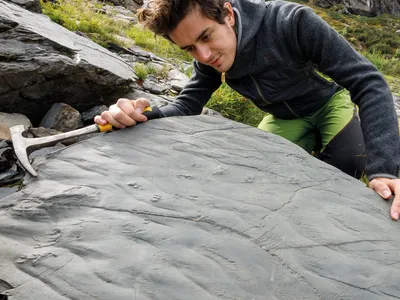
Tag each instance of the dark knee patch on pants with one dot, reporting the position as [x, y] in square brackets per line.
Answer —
[346, 151]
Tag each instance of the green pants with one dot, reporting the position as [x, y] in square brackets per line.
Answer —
[333, 133]
[326, 122]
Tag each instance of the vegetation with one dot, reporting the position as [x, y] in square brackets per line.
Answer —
[374, 37]
[86, 16]
[234, 106]
[79, 15]
[142, 70]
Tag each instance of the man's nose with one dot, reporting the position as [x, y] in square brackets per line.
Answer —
[204, 53]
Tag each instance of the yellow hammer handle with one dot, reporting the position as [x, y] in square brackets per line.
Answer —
[105, 128]
[109, 127]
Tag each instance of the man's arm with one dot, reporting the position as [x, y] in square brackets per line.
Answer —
[203, 83]
[334, 56]
[315, 40]
[194, 96]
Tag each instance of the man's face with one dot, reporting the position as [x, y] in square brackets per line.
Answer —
[206, 40]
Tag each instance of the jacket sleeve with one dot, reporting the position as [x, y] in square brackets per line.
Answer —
[315, 40]
[195, 95]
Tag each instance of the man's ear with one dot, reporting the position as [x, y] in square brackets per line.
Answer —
[230, 15]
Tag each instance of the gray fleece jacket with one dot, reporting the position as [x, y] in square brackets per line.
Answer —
[280, 46]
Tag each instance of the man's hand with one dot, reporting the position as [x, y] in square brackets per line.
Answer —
[387, 187]
[124, 113]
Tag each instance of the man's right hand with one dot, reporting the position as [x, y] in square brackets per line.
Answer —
[124, 113]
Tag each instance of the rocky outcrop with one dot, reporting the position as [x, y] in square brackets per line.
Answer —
[32, 5]
[43, 63]
[327, 3]
[365, 7]
[387, 6]
[195, 208]
[361, 7]
[129, 4]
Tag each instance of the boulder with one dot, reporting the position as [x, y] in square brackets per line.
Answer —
[62, 117]
[195, 208]
[43, 63]
[9, 120]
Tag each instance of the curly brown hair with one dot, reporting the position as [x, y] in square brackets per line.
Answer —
[163, 16]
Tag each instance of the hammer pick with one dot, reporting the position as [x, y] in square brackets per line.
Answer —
[24, 146]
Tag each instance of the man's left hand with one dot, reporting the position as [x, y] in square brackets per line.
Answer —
[387, 187]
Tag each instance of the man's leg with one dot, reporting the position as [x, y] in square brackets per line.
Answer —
[298, 131]
[341, 135]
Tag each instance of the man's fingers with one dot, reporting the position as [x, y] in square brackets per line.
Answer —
[140, 104]
[386, 187]
[124, 113]
[395, 209]
[99, 120]
[126, 106]
[108, 116]
[381, 188]
[394, 185]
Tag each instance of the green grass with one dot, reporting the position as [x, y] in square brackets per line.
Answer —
[234, 106]
[142, 70]
[388, 66]
[371, 34]
[78, 15]
[158, 45]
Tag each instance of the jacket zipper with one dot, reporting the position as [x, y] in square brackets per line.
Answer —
[259, 90]
[266, 101]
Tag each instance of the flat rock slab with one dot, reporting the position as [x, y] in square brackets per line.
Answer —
[195, 208]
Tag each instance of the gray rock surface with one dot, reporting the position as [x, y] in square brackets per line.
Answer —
[150, 84]
[195, 208]
[44, 63]
[327, 3]
[396, 101]
[178, 79]
[32, 5]
[130, 4]
[361, 7]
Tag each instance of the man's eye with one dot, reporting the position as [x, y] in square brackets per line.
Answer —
[206, 37]
[189, 49]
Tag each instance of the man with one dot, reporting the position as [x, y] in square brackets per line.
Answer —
[270, 53]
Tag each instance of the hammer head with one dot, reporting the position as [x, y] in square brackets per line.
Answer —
[21, 147]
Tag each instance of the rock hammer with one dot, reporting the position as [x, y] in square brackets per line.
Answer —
[24, 146]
